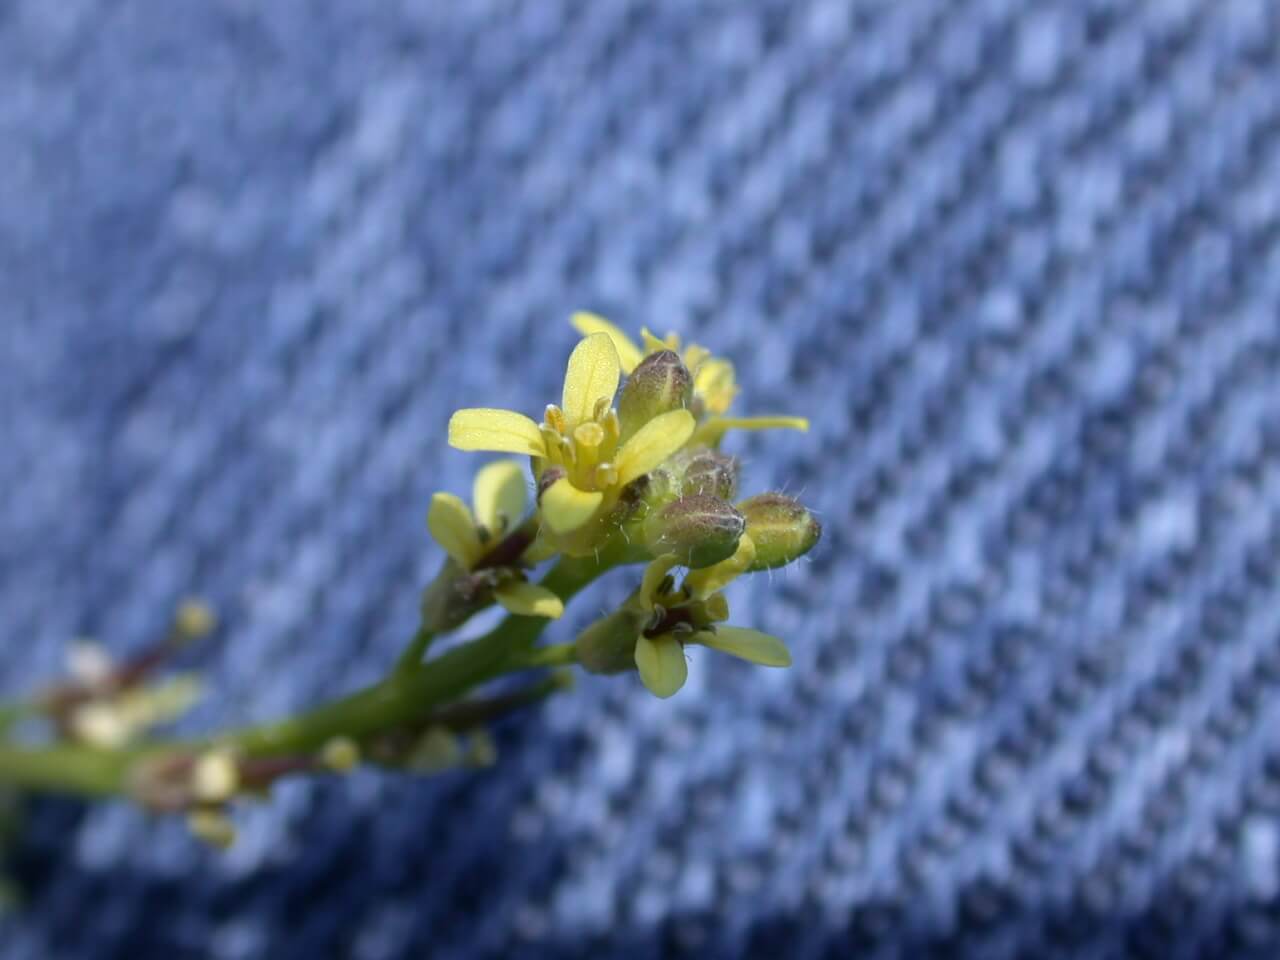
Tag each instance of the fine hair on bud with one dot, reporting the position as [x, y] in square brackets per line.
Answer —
[701, 530]
[711, 472]
[781, 528]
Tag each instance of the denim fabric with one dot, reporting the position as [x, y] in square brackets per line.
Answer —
[1020, 262]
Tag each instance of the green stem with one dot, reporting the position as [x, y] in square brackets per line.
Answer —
[399, 700]
[63, 769]
[413, 653]
[404, 695]
[553, 655]
[11, 713]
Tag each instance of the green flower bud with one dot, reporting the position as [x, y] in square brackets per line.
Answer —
[700, 530]
[711, 472]
[660, 383]
[781, 528]
[609, 644]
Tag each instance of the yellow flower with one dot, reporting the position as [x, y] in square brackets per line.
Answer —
[693, 613]
[579, 442]
[499, 498]
[714, 382]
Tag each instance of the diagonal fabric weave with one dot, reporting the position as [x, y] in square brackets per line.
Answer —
[1019, 261]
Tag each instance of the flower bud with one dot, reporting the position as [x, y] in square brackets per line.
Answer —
[660, 383]
[781, 528]
[213, 827]
[215, 776]
[700, 530]
[194, 619]
[438, 749]
[609, 644]
[711, 472]
[341, 755]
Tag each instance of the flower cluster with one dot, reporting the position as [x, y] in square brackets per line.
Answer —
[626, 470]
[635, 472]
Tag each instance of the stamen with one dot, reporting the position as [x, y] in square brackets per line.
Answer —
[552, 439]
[554, 418]
[569, 456]
[587, 438]
[612, 430]
[606, 476]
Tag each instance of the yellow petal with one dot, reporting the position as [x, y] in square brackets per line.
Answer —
[628, 353]
[653, 443]
[502, 431]
[713, 430]
[661, 664]
[694, 355]
[716, 607]
[592, 375]
[453, 527]
[529, 600]
[703, 583]
[654, 345]
[498, 495]
[715, 383]
[566, 508]
[748, 645]
[654, 574]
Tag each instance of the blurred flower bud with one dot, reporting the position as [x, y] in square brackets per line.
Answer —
[341, 755]
[608, 645]
[480, 750]
[212, 826]
[781, 528]
[711, 472]
[215, 777]
[436, 750]
[660, 383]
[194, 619]
[700, 530]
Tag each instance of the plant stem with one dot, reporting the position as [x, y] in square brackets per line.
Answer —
[412, 656]
[407, 695]
[553, 655]
[65, 769]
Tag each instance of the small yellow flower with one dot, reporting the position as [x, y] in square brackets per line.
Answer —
[499, 498]
[580, 441]
[714, 383]
[693, 613]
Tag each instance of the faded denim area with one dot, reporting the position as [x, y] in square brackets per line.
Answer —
[1020, 262]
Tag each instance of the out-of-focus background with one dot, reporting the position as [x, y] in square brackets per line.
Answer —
[1020, 263]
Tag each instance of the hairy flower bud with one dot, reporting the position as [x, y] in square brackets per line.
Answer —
[609, 644]
[700, 530]
[781, 528]
[660, 383]
[711, 472]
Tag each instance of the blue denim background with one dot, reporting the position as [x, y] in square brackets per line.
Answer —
[1020, 262]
